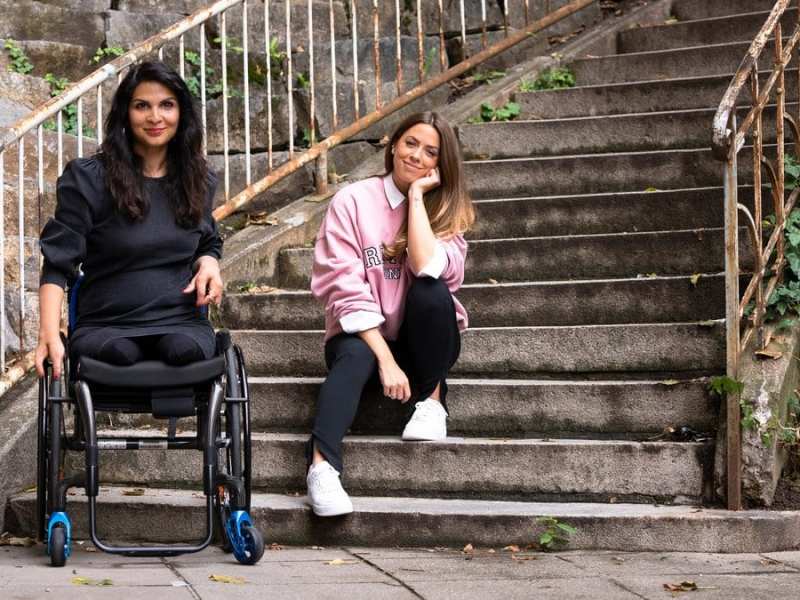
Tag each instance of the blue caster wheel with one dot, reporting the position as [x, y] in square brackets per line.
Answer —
[59, 539]
[246, 541]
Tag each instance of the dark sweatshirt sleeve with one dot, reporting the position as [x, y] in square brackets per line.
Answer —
[210, 240]
[63, 239]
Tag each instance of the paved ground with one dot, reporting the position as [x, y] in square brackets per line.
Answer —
[387, 573]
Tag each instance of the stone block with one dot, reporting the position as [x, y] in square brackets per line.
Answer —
[259, 103]
[72, 61]
[28, 20]
[128, 29]
[277, 22]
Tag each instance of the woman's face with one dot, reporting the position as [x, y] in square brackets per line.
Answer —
[416, 152]
[153, 114]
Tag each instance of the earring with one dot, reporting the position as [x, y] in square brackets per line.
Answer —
[392, 150]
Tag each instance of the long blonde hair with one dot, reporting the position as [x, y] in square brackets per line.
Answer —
[449, 206]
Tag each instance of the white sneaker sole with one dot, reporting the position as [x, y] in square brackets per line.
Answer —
[417, 437]
[331, 511]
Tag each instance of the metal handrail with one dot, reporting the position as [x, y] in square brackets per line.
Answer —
[728, 139]
[51, 110]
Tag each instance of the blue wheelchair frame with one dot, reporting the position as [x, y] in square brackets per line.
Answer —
[227, 493]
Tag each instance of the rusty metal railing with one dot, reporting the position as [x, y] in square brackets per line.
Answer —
[286, 66]
[769, 257]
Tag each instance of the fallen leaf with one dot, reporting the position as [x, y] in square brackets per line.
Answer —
[261, 218]
[468, 549]
[617, 559]
[517, 557]
[275, 546]
[770, 561]
[491, 551]
[493, 281]
[650, 189]
[709, 323]
[340, 561]
[683, 586]
[694, 279]
[669, 382]
[511, 548]
[226, 579]
[94, 582]
[612, 500]
[9, 540]
[133, 492]
[767, 353]
[317, 547]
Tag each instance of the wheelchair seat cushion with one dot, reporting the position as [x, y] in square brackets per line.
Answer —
[149, 373]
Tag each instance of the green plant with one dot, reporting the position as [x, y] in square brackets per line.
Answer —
[431, 58]
[555, 534]
[722, 385]
[553, 79]
[488, 76]
[19, 60]
[213, 88]
[69, 113]
[507, 112]
[303, 81]
[110, 52]
[231, 43]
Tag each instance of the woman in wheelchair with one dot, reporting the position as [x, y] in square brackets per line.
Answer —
[134, 239]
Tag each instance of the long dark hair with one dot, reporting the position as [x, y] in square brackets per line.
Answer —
[187, 171]
[449, 206]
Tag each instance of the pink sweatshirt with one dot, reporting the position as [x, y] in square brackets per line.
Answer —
[359, 287]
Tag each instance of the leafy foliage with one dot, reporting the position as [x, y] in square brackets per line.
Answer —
[556, 534]
[111, 52]
[19, 60]
[69, 114]
[507, 112]
[550, 79]
[488, 76]
[722, 385]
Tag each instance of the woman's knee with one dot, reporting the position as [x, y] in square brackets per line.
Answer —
[178, 349]
[429, 295]
[120, 351]
[352, 350]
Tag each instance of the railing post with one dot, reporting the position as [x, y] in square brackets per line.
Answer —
[321, 173]
[733, 430]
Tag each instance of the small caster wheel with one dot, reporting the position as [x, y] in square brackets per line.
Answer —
[253, 545]
[58, 546]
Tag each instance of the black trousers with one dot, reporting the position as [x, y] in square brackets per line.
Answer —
[427, 346]
[175, 349]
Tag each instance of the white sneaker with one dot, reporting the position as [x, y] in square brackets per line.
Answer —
[428, 423]
[325, 492]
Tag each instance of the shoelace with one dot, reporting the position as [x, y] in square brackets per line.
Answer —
[325, 480]
[425, 409]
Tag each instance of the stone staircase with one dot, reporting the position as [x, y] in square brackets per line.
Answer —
[595, 291]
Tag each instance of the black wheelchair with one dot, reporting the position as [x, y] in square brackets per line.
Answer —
[214, 392]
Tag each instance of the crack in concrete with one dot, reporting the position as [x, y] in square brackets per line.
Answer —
[177, 574]
[385, 572]
[630, 591]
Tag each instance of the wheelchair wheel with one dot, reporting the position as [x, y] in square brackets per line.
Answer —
[58, 546]
[254, 545]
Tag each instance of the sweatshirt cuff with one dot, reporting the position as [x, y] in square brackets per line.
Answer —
[51, 275]
[437, 264]
[360, 320]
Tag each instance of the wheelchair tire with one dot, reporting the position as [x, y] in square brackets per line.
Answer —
[254, 545]
[58, 546]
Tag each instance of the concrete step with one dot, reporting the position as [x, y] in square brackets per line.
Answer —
[173, 515]
[599, 173]
[558, 258]
[604, 301]
[624, 98]
[565, 469]
[623, 409]
[604, 213]
[616, 133]
[709, 60]
[686, 10]
[715, 30]
[698, 348]
[633, 132]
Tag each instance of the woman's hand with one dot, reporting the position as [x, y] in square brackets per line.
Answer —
[207, 281]
[394, 381]
[53, 348]
[423, 185]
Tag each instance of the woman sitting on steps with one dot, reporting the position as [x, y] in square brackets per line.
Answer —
[388, 256]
